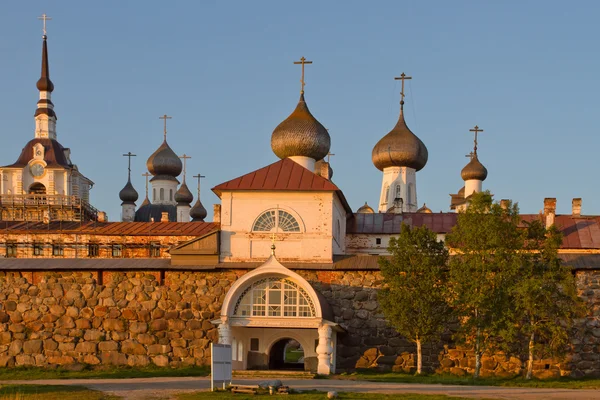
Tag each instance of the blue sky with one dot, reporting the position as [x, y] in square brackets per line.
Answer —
[524, 71]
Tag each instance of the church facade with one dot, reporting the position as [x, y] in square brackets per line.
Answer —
[287, 272]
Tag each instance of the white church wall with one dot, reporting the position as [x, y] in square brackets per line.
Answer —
[314, 212]
[339, 227]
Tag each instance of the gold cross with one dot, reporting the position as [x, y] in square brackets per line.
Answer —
[44, 18]
[470, 155]
[476, 130]
[302, 61]
[329, 156]
[198, 177]
[402, 78]
[129, 155]
[147, 175]
[184, 157]
[165, 117]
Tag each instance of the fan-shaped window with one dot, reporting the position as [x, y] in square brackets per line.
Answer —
[274, 297]
[272, 219]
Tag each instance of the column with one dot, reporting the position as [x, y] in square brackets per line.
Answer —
[324, 350]
[224, 333]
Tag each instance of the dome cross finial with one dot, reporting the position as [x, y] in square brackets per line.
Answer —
[165, 118]
[184, 157]
[129, 155]
[44, 18]
[302, 62]
[402, 78]
[476, 130]
[199, 176]
[147, 174]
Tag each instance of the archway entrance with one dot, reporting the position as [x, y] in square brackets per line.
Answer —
[37, 188]
[286, 354]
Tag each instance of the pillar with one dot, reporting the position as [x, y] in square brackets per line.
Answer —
[225, 333]
[324, 350]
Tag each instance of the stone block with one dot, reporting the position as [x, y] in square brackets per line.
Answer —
[112, 324]
[176, 325]
[161, 361]
[113, 358]
[66, 347]
[86, 347]
[60, 360]
[24, 360]
[31, 315]
[65, 322]
[7, 361]
[57, 310]
[32, 347]
[91, 359]
[108, 346]
[133, 347]
[93, 335]
[5, 338]
[155, 349]
[158, 325]
[180, 352]
[457, 371]
[128, 313]
[145, 338]
[119, 336]
[15, 347]
[138, 361]
[50, 345]
[10, 305]
[16, 328]
[83, 323]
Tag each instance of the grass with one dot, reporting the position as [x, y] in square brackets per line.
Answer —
[31, 373]
[50, 392]
[558, 383]
[312, 395]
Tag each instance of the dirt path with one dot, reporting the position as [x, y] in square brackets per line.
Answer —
[166, 388]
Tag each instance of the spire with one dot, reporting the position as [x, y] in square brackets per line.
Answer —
[45, 117]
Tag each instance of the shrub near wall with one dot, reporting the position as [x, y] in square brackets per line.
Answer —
[68, 319]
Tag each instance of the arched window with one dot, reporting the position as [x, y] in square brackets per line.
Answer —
[170, 194]
[398, 192]
[154, 195]
[37, 188]
[274, 297]
[162, 193]
[409, 194]
[272, 219]
[385, 194]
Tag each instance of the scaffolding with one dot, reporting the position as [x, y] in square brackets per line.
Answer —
[45, 208]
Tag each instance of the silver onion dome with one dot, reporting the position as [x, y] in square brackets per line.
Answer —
[164, 162]
[474, 170]
[128, 194]
[400, 148]
[198, 212]
[183, 196]
[300, 134]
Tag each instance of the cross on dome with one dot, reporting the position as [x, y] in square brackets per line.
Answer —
[302, 62]
[44, 18]
[476, 130]
[402, 78]
[165, 118]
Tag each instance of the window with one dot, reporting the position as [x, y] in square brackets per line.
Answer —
[274, 297]
[398, 191]
[254, 344]
[386, 194]
[11, 249]
[162, 193]
[377, 240]
[154, 195]
[154, 249]
[38, 249]
[240, 356]
[171, 194]
[272, 219]
[93, 249]
[234, 349]
[57, 249]
[117, 250]
[409, 195]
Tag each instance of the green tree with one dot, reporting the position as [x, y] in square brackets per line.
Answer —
[486, 242]
[545, 295]
[415, 299]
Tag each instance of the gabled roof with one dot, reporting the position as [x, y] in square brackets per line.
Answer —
[282, 175]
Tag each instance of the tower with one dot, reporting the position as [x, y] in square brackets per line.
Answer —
[165, 166]
[128, 195]
[399, 155]
[474, 173]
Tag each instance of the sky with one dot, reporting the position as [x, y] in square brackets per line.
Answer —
[524, 71]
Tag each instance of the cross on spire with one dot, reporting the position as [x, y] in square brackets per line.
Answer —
[44, 18]
[165, 117]
[184, 157]
[302, 62]
[129, 155]
[476, 130]
[402, 78]
[198, 177]
[470, 155]
[329, 154]
[147, 174]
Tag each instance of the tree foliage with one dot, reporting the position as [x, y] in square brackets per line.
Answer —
[415, 299]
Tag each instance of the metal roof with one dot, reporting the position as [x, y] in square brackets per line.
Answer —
[387, 223]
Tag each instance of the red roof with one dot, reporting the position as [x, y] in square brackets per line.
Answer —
[282, 175]
[113, 228]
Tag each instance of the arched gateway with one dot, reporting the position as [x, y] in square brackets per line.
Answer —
[271, 304]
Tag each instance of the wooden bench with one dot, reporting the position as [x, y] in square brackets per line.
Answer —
[247, 389]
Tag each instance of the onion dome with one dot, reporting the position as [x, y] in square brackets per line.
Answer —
[300, 134]
[164, 163]
[366, 209]
[461, 191]
[400, 148]
[425, 209]
[44, 84]
[474, 170]
[198, 212]
[183, 196]
[319, 169]
[128, 194]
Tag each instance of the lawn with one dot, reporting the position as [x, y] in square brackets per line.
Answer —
[561, 383]
[30, 373]
[49, 392]
[313, 395]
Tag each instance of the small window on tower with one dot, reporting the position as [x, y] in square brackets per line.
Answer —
[11, 249]
[117, 250]
[154, 249]
[170, 194]
[38, 249]
[93, 249]
[58, 249]
[162, 193]
[377, 240]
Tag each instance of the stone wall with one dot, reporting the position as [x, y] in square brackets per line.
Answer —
[66, 318]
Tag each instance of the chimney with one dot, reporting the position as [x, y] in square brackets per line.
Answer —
[102, 216]
[504, 203]
[549, 210]
[217, 213]
[576, 207]
[164, 216]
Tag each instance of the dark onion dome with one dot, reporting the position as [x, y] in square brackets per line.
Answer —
[425, 209]
[300, 134]
[183, 196]
[474, 170]
[318, 166]
[128, 194]
[164, 163]
[461, 191]
[44, 84]
[198, 212]
[400, 148]
[153, 212]
[366, 209]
